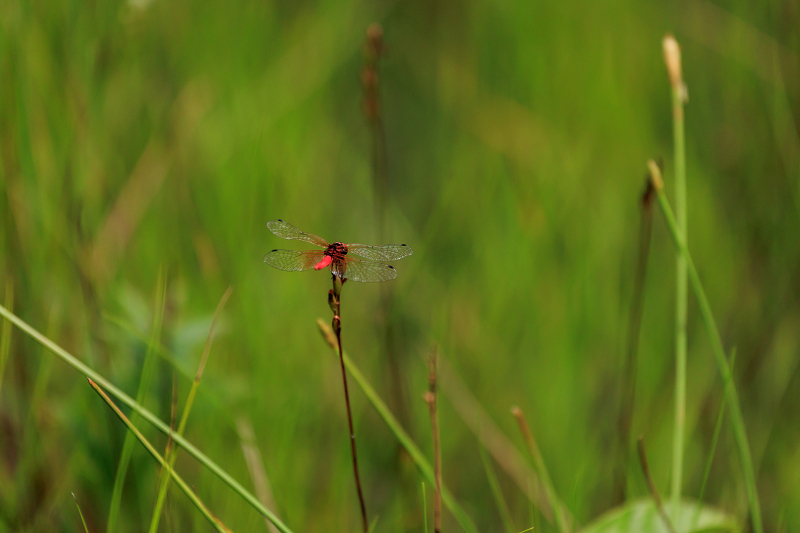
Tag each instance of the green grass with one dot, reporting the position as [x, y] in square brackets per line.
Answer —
[140, 134]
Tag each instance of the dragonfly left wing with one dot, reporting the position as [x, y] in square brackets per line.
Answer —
[284, 230]
[293, 260]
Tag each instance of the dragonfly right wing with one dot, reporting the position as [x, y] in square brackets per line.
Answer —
[387, 252]
[293, 260]
[284, 230]
[368, 271]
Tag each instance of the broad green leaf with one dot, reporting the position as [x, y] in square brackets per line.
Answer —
[641, 516]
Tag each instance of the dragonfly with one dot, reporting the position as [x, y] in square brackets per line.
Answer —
[338, 256]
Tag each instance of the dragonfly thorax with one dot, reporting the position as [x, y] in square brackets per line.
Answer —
[337, 251]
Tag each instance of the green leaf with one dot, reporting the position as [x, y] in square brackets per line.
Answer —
[642, 516]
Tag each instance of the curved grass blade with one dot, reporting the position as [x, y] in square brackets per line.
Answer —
[182, 484]
[80, 513]
[737, 421]
[494, 484]
[413, 450]
[172, 453]
[148, 368]
[146, 414]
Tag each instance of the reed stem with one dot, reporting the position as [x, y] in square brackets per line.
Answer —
[430, 398]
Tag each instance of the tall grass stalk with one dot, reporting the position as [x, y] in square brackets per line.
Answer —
[146, 414]
[737, 421]
[144, 384]
[413, 450]
[672, 58]
[182, 484]
[172, 452]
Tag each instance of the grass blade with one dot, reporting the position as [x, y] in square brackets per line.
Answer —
[146, 414]
[80, 513]
[413, 450]
[255, 464]
[541, 468]
[732, 398]
[133, 431]
[172, 453]
[5, 337]
[424, 510]
[499, 499]
[714, 440]
[144, 384]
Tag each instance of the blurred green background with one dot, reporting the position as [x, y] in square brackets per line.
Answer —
[149, 133]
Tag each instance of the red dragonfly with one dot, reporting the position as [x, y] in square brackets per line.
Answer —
[372, 268]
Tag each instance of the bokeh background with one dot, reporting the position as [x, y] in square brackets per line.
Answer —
[153, 134]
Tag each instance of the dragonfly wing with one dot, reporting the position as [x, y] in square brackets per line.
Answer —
[368, 271]
[387, 252]
[284, 230]
[293, 260]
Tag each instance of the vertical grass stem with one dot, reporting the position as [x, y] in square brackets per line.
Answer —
[672, 58]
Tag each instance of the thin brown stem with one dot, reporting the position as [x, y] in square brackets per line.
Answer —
[430, 398]
[628, 384]
[334, 301]
[652, 487]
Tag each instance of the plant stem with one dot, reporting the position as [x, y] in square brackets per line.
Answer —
[413, 450]
[672, 57]
[732, 398]
[628, 396]
[334, 300]
[430, 398]
[652, 487]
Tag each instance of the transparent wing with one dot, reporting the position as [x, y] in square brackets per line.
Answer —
[367, 271]
[284, 230]
[293, 260]
[387, 252]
